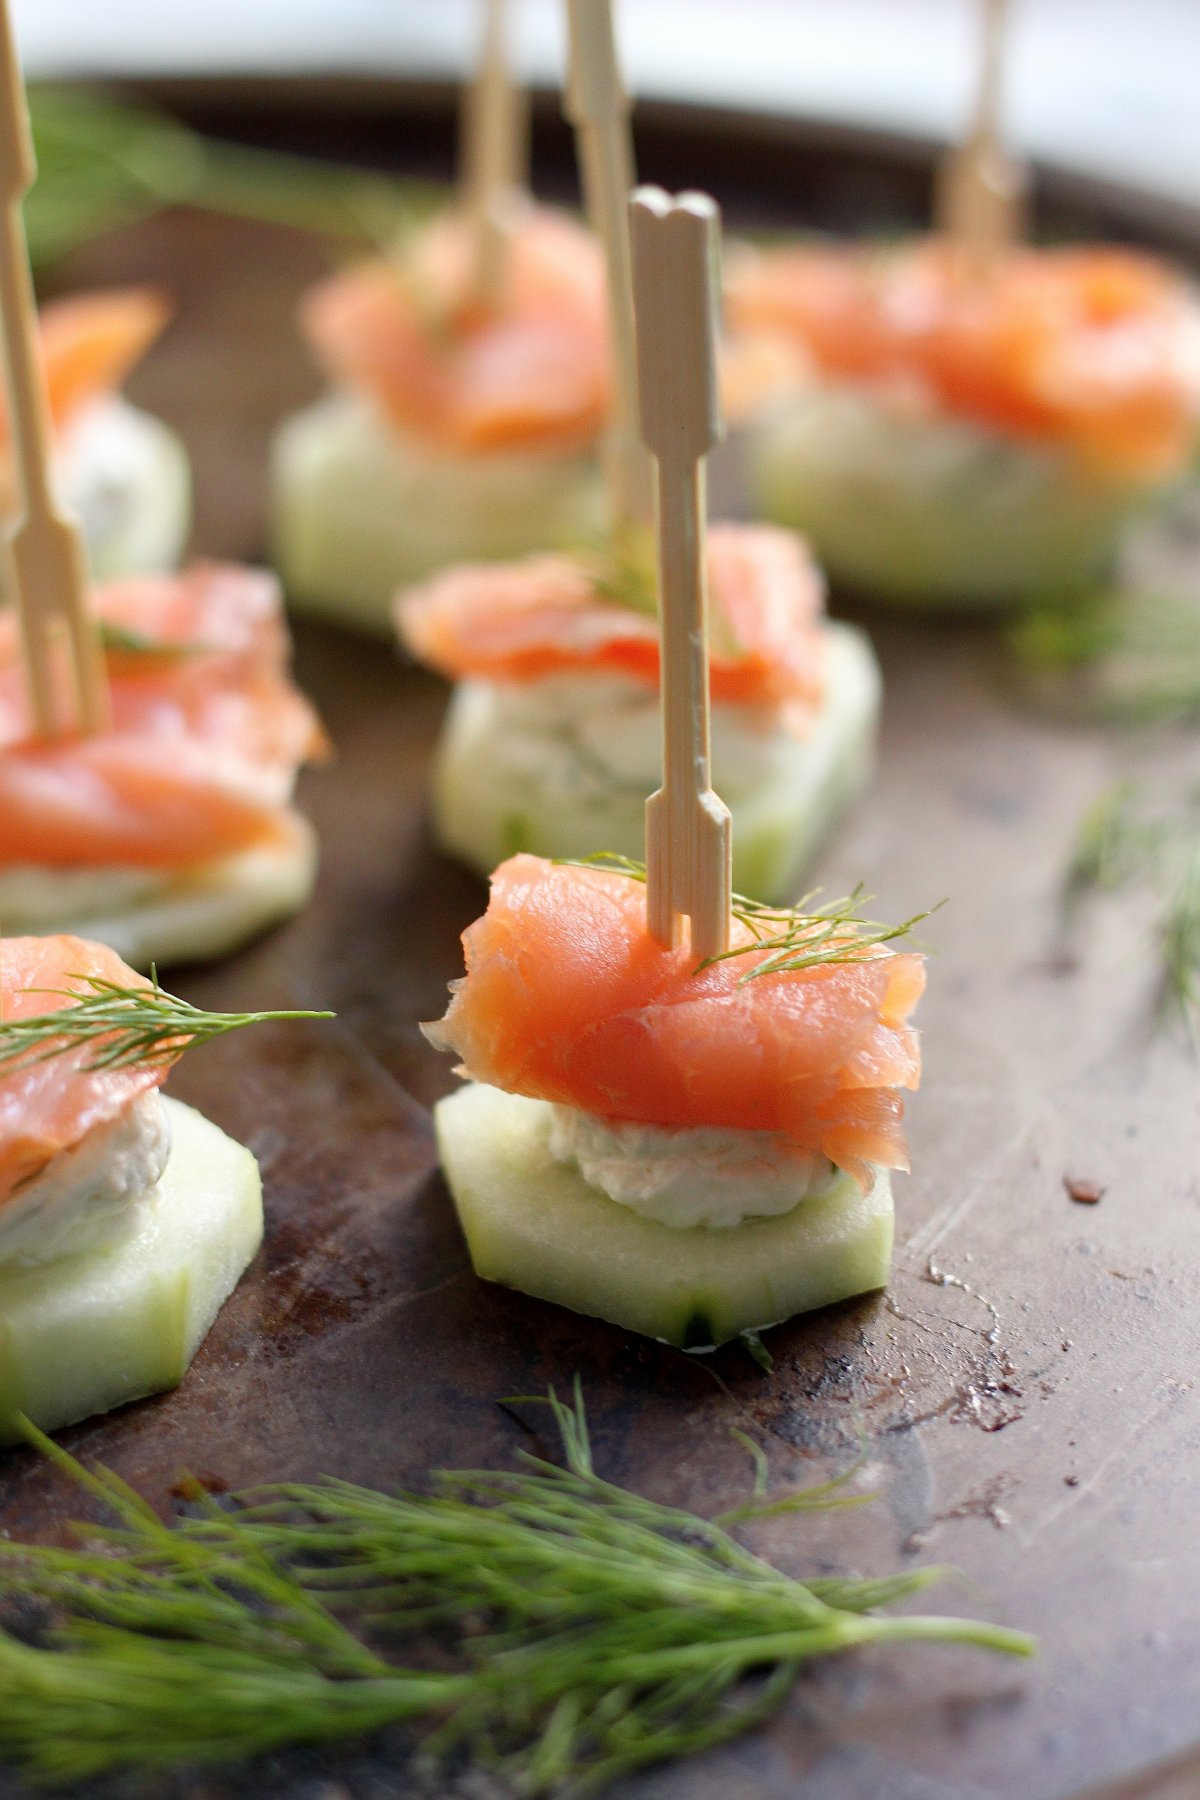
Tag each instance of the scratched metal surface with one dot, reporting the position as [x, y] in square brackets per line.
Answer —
[1024, 1396]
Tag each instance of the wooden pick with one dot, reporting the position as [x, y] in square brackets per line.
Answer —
[44, 548]
[495, 141]
[676, 288]
[980, 191]
[597, 105]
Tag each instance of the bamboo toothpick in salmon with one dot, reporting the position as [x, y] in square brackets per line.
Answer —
[495, 133]
[675, 247]
[597, 105]
[45, 551]
[981, 191]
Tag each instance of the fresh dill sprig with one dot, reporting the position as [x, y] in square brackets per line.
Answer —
[553, 1626]
[128, 1026]
[804, 936]
[122, 640]
[1121, 842]
[1129, 656]
[104, 162]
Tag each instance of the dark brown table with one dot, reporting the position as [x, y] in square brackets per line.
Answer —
[1025, 1395]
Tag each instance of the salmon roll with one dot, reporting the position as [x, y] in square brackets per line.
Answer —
[949, 440]
[454, 430]
[687, 1151]
[553, 739]
[126, 1218]
[120, 470]
[170, 835]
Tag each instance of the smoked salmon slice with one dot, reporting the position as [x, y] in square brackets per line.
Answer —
[1093, 348]
[567, 998]
[519, 622]
[50, 1106]
[208, 732]
[531, 373]
[90, 342]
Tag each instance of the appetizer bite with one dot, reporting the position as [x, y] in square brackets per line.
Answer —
[168, 833]
[120, 470]
[126, 1218]
[688, 1151]
[951, 439]
[470, 384]
[552, 741]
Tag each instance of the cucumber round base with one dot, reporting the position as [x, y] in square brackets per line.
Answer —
[932, 513]
[359, 511]
[126, 476]
[88, 1333]
[535, 1224]
[196, 917]
[509, 777]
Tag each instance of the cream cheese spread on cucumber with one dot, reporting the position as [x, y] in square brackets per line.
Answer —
[126, 476]
[359, 508]
[931, 510]
[563, 767]
[122, 1319]
[533, 1221]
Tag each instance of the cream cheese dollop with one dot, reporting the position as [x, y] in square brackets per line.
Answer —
[100, 1192]
[689, 1175]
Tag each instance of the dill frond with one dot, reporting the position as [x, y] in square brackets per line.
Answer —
[804, 936]
[579, 1632]
[121, 640]
[1129, 656]
[1121, 842]
[126, 1026]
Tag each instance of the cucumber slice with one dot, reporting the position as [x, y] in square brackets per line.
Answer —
[127, 477]
[359, 511]
[548, 791]
[932, 512]
[196, 916]
[88, 1333]
[536, 1225]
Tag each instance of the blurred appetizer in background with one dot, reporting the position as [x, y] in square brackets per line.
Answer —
[552, 741]
[969, 421]
[126, 1218]
[120, 470]
[471, 383]
[169, 833]
[950, 441]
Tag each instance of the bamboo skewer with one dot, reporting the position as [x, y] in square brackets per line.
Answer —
[597, 105]
[494, 176]
[44, 548]
[980, 190]
[676, 290]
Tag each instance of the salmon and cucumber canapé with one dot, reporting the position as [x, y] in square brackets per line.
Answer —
[553, 739]
[120, 470]
[952, 435]
[455, 429]
[171, 833]
[688, 1151]
[126, 1218]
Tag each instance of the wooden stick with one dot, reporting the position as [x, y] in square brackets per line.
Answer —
[597, 105]
[981, 191]
[495, 152]
[44, 548]
[676, 289]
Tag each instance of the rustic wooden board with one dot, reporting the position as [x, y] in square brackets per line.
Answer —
[1024, 1397]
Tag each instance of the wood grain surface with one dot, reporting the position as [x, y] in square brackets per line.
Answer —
[1023, 1398]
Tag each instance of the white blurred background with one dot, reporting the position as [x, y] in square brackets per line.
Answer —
[1103, 88]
